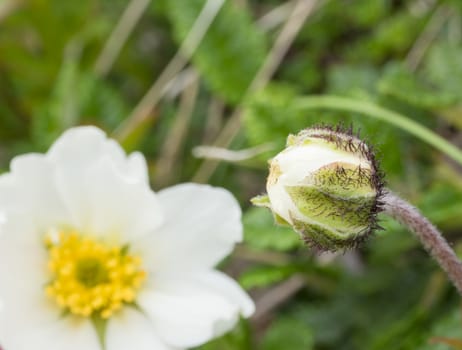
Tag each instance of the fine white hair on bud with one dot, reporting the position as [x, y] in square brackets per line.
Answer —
[327, 186]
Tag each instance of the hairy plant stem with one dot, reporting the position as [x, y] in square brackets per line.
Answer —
[428, 234]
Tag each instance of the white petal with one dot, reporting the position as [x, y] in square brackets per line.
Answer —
[130, 329]
[201, 226]
[78, 151]
[23, 275]
[28, 319]
[112, 205]
[224, 285]
[298, 162]
[138, 167]
[281, 202]
[67, 333]
[78, 148]
[106, 192]
[191, 311]
[30, 191]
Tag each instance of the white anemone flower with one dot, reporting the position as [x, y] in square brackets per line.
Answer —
[91, 258]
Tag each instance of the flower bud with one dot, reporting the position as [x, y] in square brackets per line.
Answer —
[326, 185]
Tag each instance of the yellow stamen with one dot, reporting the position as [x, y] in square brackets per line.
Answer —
[89, 277]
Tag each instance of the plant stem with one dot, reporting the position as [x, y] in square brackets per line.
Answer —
[374, 111]
[428, 234]
[146, 106]
[301, 11]
[127, 22]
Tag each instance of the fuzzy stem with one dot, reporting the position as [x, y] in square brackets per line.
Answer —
[428, 234]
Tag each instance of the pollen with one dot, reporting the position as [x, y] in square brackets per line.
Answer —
[89, 277]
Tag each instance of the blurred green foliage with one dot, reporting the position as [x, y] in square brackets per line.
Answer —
[403, 55]
[230, 54]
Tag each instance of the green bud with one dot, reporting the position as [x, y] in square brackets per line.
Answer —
[326, 185]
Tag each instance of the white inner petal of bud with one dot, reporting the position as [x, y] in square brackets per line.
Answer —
[296, 164]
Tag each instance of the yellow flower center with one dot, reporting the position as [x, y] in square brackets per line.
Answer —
[91, 278]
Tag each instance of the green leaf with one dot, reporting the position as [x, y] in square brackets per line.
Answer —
[442, 204]
[100, 325]
[99, 102]
[78, 97]
[61, 111]
[400, 83]
[449, 326]
[261, 201]
[352, 80]
[443, 68]
[238, 338]
[262, 233]
[232, 50]
[264, 276]
[268, 117]
[288, 333]
[393, 36]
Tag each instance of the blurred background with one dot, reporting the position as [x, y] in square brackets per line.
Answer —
[206, 90]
